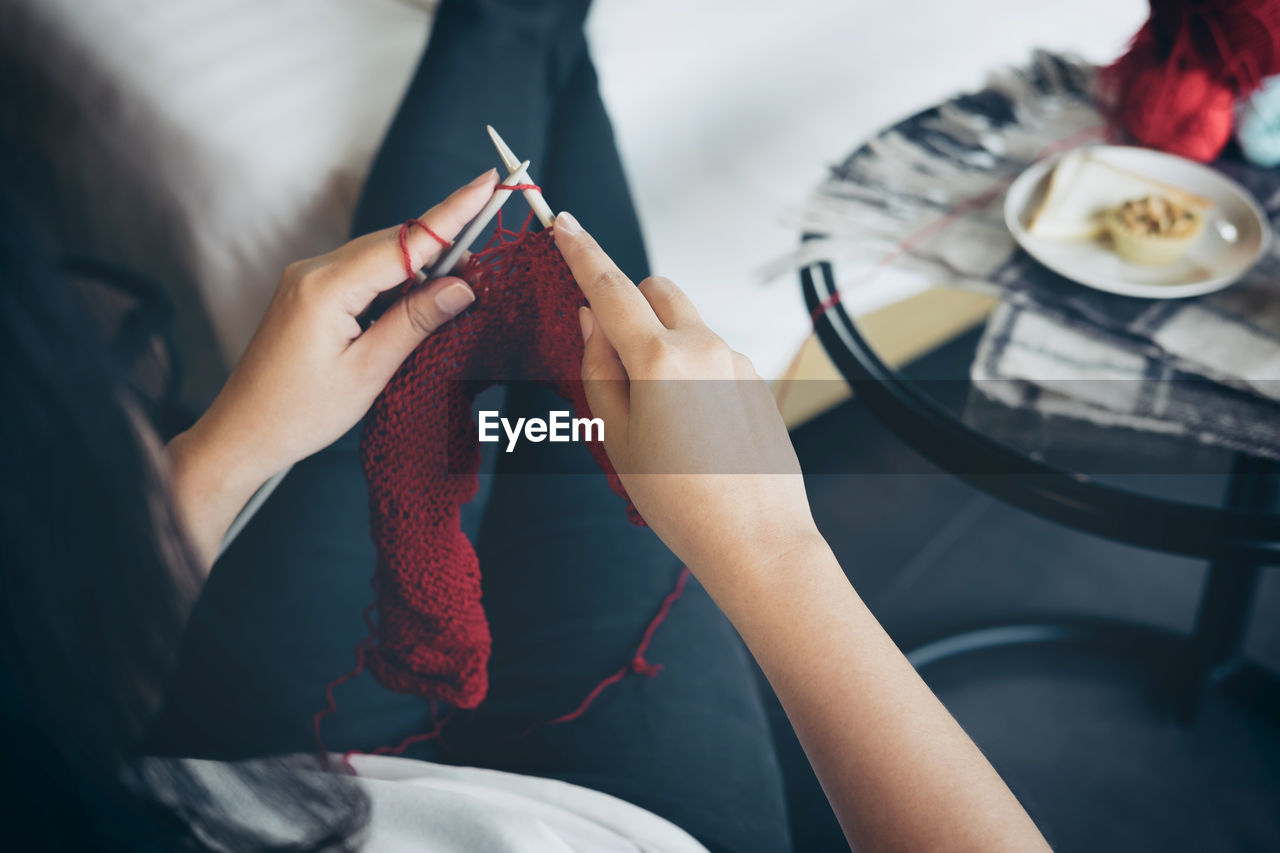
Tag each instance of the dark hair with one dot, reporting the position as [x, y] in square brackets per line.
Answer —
[97, 583]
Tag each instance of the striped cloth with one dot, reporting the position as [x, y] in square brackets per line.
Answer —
[1205, 368]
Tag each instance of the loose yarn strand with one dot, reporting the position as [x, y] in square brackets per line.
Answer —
[638, 663]
[331, 703]
[404, 243]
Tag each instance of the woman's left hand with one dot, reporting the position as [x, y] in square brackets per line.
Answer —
[310, 373]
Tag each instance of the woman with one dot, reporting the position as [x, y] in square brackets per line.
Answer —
[108, 539]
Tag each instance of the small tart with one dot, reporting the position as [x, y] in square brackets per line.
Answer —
[1152, 230]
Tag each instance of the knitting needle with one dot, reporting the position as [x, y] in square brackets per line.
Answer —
[539, 204]
[519, 174]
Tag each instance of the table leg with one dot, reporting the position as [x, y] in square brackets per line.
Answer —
[1226, 599]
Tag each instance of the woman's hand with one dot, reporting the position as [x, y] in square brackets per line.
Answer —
[708, 464]
[310, 373]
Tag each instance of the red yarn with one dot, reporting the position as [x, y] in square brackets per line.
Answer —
[1188, 114]
[409, 223]
[637, 664]
[404, 242]
[431, 638]
[1175, 88]
[420, 455]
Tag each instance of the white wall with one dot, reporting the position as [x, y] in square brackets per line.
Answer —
[729, 111]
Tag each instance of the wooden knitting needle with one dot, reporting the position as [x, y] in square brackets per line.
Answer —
[539, 204]
[519, 175]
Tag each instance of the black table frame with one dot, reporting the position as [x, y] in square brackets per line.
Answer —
[1239, 540]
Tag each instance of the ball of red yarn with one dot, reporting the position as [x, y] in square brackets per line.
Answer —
[1187, 113]
[1175, 88]
[420, 454]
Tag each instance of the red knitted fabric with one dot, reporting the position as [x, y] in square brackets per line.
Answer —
[420, 454]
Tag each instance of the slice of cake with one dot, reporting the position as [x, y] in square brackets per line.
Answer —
[1083, 187]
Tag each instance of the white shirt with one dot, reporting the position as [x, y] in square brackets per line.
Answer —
[420, 806]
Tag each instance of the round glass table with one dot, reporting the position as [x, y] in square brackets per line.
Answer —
[1139, 438]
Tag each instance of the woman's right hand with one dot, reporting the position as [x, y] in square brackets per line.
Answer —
[691, 428]
[710, 466]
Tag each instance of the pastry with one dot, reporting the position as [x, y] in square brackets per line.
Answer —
[1152, 230]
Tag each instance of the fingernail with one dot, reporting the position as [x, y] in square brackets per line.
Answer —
[585, 320]
[566, 222]
[483, 178]
[454, 298]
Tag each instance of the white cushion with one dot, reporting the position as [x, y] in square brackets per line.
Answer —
[209, 142]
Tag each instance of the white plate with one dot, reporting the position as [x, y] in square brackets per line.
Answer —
[1235, 236]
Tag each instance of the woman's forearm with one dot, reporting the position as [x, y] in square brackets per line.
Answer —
[897, 768]
[210, 487]
[899, 771]
[313, 369]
